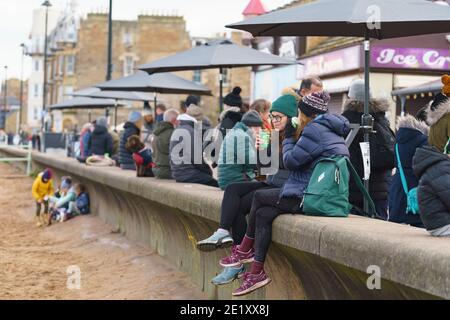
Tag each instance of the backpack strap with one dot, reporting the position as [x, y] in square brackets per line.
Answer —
[446, 148]
[361, 187]
[400, 169]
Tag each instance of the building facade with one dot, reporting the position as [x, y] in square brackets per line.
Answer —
[35, 49]
[395, 63]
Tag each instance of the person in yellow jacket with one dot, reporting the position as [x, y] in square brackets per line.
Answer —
[42, 190]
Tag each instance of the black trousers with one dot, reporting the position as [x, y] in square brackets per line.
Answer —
[266, 206]
[236, 204]
[39, 206]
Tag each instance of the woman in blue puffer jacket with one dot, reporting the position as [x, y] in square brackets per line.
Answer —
[322, 136]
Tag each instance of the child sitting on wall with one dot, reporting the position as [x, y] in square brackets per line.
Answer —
[42, 190]
[142, 156]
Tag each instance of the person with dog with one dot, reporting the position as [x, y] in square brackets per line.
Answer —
[142, 156]
[131, 128]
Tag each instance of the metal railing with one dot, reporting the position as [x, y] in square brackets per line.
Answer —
[27, 158]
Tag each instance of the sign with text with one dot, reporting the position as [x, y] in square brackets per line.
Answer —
[341, 60]
[410, 58]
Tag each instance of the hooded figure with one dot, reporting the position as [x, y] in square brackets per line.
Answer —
[100, 141]
[183, 150]
[433, 193]
[411, 134]
[131, 128]
[161, 144]
[438, 116]
[237, 157]
[382, 148]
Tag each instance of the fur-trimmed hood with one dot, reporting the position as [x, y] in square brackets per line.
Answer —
[229, 109]
[408, 121]
[375, 105]
[433, 116]
[292, 92]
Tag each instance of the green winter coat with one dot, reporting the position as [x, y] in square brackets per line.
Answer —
[237, 157]
[439, 121]
[161, 142]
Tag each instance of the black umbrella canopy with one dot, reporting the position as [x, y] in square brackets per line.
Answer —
[84, 103]
[399, 18]
[215, 54]
[157, 83]
[117, 95]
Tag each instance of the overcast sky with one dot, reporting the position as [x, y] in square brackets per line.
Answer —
[204, 18]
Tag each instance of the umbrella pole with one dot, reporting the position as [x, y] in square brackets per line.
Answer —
[221, 90]
[115, 116]
[89, 115]
[154, 110]
[367, 119]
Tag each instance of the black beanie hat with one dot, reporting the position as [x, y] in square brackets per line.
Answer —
[191, 100]
[234, 99]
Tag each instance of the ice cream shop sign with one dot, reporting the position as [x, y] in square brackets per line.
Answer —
[410, 58]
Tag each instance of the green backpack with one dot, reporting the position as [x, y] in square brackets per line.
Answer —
[328, 189]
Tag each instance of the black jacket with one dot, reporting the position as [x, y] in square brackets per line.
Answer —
[125, 157]
[100, 141]
[433, 191]
[228, 119]
[382, 145]
[188, 171]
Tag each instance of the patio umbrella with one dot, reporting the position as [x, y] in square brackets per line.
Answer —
[84, 103]
[218, 54]
[165, 83]
[93, 92]
[379, 19]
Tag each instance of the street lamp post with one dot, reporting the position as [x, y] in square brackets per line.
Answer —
[46, 4]
[109, 63]
[5, 101]
[22, 45]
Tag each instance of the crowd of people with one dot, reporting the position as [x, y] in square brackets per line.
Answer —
[409, 179]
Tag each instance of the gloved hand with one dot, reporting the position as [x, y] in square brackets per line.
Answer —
[289, 130]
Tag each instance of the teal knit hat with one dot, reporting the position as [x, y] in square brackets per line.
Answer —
[286, 104]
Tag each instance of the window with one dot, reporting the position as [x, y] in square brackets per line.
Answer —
[70, 65]
[128, 39]
[197, 76]
[226, 77]
[68, 90]
[60, 94]
[36, 90]
[128, 66]
[35, 113]
[36, 65]
[60, 65]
